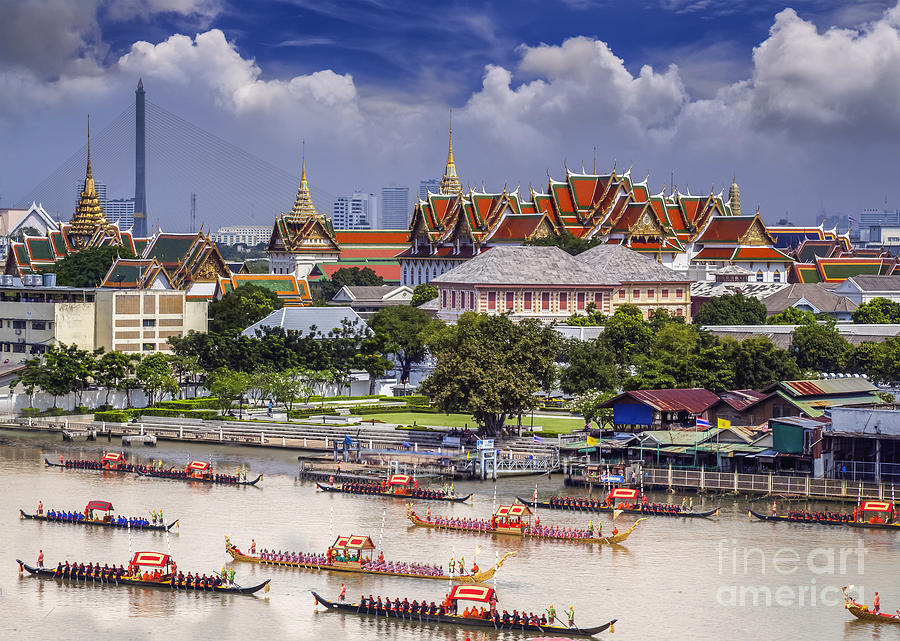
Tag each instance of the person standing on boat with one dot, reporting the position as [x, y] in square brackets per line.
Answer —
[252, 546]
[231, 576]
[40, 563]
[876, 605]
[551, 613]
[571, 614]
[452, 564]
[342, 595]
[40, 509]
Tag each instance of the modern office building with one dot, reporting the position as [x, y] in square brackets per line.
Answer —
[356, 211]
[121, 211]
[394, 207]
[429, 184]
[249, 235]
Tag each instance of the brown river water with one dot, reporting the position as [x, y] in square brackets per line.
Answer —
[725, 578]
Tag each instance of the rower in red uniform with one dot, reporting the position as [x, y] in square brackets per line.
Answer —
[40, 563]
[876, 605]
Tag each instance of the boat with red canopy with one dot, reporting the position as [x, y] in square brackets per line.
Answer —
[486, 614]
[622, 499]
[146, 569]
[517, 520]
[198, 471]
[402, 486]
[106, 519]
[872, 515]
[356, 554]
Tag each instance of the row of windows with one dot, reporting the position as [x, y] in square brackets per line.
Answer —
[651, 294]
[21, 324]
[530, 301]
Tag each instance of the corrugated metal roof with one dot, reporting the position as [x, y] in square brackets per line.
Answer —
[827, 386]
[695, 400]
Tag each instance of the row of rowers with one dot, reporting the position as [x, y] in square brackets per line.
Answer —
[536, 529]
[336, 555]
[450, 606]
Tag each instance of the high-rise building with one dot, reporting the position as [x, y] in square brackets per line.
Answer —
[394, 207]
[250, 235]
[429, 184]
[357, 211]
[121, 211]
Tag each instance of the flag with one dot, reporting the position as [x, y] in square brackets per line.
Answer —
[723, 424]
[347, 440]
[592, 441]
[538, 439]
[701, 422]
[616, 514]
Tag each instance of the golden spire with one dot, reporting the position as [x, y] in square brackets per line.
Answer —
[734, 197]
[303, 204]
[450, 182]
[88, 212]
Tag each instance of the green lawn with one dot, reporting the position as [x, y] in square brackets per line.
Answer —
[553, 425]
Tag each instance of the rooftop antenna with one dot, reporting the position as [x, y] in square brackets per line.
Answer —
[193, 212]
[595, 160]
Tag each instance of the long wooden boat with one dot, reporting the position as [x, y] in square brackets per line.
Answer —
[522, 528]
[863, 613]
[195, 472]
[98, 523]
[413, 494]
[822, 521]
[164, 583]
[627, 509]
[355, 567]
[459, 620]
[177, 475]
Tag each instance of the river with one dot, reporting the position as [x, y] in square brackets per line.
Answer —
[673, 579]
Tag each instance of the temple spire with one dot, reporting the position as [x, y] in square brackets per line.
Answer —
[303, 204]
[450, 181]
[88, 214]
[734, 197]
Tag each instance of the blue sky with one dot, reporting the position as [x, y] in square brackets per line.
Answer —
[785, 96]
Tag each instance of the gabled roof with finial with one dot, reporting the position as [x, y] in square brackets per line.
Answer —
[303, 204]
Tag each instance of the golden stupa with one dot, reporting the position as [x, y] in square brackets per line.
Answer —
[89, 214]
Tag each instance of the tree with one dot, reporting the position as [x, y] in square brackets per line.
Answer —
[627, 334]
[660, 317]
[228, 386]
[819, 347]
[792, 316]
[878, 310]
[683, 356]
[423, 293]
[155, 376]
[731, 309]
[758, 363]
[113, 368]
[371, 360]
[867, 358]
[31, 378]
[242, 307]
[591, 366]
[405, 327]
[88, 267]
[588, 403]
[67, 369]
[591, 318]
[285, 387]
[491, 367]
[567, 242]
[351, 276]
[187, 370]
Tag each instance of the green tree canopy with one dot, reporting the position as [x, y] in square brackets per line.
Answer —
[591, 366]
[591, 318]
[731, 309]
[87, 267]
[758, 363]
[566, 241]
[405, 327]
[793, 316]
[627, 334]
[588, 403]
[228, 386]
[491, 367]
[352, 276]
[240, 308]
[156, 377]
[820, 347]
[113, 368]
[878, 310]
[423, 293]
[683, 356]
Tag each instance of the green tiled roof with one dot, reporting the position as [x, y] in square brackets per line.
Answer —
[40, 249]
[124, 273]
[170, 249]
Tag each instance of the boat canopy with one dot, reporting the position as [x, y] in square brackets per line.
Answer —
[513, 510]
[113, 456]
[481, 593]
[150, 559]
[203, 466]
[400, 479]
[103, 506]
[353, 542]
[877, 506]
[624, 493]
